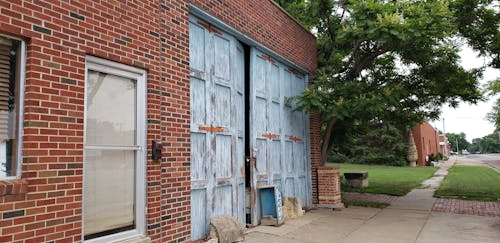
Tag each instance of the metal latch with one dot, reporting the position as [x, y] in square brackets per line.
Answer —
[250, 161]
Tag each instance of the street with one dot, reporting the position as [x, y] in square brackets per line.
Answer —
[491, 160]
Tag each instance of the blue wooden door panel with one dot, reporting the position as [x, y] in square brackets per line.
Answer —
[278, 133]
[196, 46]
[260, 152]
[217, 137]
[200, 140]
[222, 106]
[239, 139]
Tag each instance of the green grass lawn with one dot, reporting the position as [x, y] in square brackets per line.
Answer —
[391, 180]
[471, 183]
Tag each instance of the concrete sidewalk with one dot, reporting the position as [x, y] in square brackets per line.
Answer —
[358, 224]
[408, 219]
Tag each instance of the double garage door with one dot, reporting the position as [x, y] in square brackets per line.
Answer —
[239, 108]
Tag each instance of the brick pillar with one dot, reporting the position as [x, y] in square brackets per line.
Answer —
[329, 187]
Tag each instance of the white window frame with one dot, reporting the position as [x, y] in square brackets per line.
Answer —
[20, 115]
[109, 67]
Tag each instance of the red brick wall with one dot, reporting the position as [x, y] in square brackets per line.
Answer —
[427, 141]
[329, 186]
[315, 135]
[152, 35]
[267, 23]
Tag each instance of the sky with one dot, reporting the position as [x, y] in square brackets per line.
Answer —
[470, 119]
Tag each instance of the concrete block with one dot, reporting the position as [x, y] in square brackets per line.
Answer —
[292, 208]
[226, 229]
[356, 179]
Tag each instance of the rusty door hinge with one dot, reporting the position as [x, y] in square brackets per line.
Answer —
[209, 27]
[268, 58]
[270, 135]
[293, 71]
[295, 139]
[211, 128]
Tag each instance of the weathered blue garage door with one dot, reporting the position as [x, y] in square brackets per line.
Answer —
[278, 134]
[217, 126]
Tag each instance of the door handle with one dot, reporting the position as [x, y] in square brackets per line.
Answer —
[251, 161]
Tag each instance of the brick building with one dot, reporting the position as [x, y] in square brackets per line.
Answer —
[428, 141]
[444, 145]
[132, 119]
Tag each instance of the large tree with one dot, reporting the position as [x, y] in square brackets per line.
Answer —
[458, 141]
[489, 143]
[494, 115]
[391, 60]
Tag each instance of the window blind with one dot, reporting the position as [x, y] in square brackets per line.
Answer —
[5, 69]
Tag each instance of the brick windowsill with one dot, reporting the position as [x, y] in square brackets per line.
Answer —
[13, 187]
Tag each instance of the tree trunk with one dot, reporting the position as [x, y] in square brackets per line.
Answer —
[325, 148]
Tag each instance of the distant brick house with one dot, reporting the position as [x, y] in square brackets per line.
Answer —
[131, 120]
[429, 142]
[444, 145]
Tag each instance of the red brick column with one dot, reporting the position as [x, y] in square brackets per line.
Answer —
[329, 187]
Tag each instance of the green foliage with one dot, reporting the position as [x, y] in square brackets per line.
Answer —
[490, 144]
[382, 143]
[381, 159]
[474, 146]
[454, 138]
[391, 180]
[438, 156]
[486, 144]
[494, 115]
[300, 10]
[372, 142]
[339, 158]
[392, 61]
[478, 21]
[471, 183]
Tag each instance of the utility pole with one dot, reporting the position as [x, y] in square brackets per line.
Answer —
[445, 141]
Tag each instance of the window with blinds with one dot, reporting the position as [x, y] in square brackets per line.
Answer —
[9, 105]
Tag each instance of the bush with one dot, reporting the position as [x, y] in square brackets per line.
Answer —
[339, 158]
[380, 159]
[369, 142]
[438, 157]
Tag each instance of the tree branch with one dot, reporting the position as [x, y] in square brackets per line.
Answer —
[368, 60]
[354, 51]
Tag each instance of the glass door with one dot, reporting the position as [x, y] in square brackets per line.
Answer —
[114, 152]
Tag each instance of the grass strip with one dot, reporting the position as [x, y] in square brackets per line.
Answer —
[389, 180]
[478, 183]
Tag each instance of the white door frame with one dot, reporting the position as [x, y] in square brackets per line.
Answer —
[105, 66]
